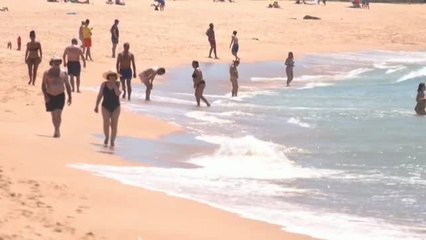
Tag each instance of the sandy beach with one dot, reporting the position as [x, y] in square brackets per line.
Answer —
[42, 198]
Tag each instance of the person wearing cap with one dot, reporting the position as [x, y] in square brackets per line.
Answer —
[114, 36]
[87, 39]
[71, 57]
[109, 93]
[147, 78]
[125, 62]
[212, 40]
[55, 82]
[33, 56]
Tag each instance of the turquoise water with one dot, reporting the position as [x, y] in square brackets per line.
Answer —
[339, 155]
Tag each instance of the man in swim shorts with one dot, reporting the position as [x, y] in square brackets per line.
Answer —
[71, 57]
[125, 62]
[87, 39]
[114, 36]
[55, 81]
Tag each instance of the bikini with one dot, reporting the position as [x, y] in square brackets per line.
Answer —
[200, 82]
[110, 100]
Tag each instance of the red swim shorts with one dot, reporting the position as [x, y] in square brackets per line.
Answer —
[87, 42]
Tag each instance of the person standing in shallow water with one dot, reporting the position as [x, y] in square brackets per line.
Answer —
[199, 84]
[33, 56]
[109, 93]
[289, 63]
[147, 78]
[421, 100]
[234, 45]
[212, 40]
[55, 81]
[125, 62]
[233, 72]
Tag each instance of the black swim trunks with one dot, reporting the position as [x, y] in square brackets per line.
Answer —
[74, 68]
[55, 102]
[126, 73]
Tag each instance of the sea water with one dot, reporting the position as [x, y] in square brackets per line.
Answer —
[339, 155]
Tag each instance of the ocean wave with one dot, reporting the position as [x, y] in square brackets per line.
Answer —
[299, 123]
[206, 117]
[316, 84]
[261, 159]
[413, 74]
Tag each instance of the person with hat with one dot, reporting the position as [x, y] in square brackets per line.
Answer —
[73, 54]
[53, 86]
[109, 93]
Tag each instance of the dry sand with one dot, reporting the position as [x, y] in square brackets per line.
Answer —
[41, 198]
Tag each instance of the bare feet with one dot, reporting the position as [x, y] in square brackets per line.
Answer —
[106, 142]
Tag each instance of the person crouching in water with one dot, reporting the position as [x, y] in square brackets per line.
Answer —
[54, 83]
[147, 78]
[233, 72]
[421, 100]
[110, 94]
[199, 84]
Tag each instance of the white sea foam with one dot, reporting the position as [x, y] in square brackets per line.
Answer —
[266, 79]
[252, 198]
[261, 159]
[397, 69]
[414, 74]
[316, 84]
[206, 117]
[299, 123]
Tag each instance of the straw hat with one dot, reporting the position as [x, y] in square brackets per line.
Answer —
[55, 59]
[105, 75]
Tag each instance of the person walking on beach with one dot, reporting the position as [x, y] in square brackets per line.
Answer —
[125, 62]
[71, 57]
[114, 36]
[80, 35]
[147, 78]
[87, 39]
[421, 100]
[234, 45]
[233, 72]
[18, 43]
[199, 84]
[212, 40]
[55, 81]
[289, 63]
[109, 93]
[33, 56]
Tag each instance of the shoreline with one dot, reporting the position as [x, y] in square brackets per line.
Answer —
[43, 198]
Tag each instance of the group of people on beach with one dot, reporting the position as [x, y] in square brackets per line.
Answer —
[56, 82]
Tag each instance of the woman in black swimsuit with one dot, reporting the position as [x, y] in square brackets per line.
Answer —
[199, 84]
[110, 93]
[32, 57]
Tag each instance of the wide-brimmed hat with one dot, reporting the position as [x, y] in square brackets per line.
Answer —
[109, 72]
[55, 59]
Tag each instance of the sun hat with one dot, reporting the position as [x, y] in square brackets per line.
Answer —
[55, 59]
[105, 74]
